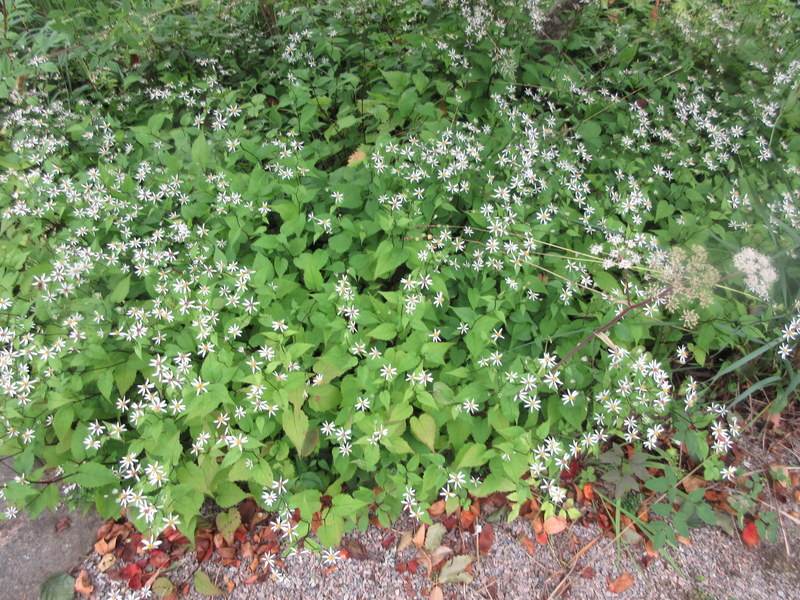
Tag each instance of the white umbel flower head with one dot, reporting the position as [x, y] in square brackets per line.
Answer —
[759, 274]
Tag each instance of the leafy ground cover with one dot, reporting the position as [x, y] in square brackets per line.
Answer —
[354, 259]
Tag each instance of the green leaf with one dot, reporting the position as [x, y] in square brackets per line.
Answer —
[120, 291]
[228, 522]
[200, 151]
[162, 587]
[384, 331]
[398, 80]
[295, 425]
[58, 587]
[228, 494]
[470, 456]
[204, 587]
[331, 531]
[92, 475]
[424, 428]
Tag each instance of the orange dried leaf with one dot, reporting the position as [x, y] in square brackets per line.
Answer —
[620, 584]
[555, 524]
[437, 509]
[588, 491]
[683, 540]
[750, 534]
[436, 593]
[82, 584]
[529, 544]
[541, 538]
[419, 537]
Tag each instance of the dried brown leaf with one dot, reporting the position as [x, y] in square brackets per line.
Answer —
[555, 524]
[620, 584]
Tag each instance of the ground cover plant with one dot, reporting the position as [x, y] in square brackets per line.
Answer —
[353, 259]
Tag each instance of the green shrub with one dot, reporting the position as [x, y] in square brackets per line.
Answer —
[372, 254]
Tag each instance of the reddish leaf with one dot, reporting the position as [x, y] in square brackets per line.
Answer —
[466, 519]
[486, 538]
[158, 558]
[62, 524]
[588, 572]
[130, 571]
[588, 491]
[401, 567]
[750, 534]
[541, 538]
[355, 549]
[412, 566]
[388, 541]
[529, 544]
[620, 584]
[136, 582]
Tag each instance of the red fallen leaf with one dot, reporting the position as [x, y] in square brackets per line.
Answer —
[135, 582]
[572, 471]
[240, 535]
[620, 584]
[388, 541]
[486, 538]
[227, 553]
[450, 521]
[82, 584]
[529, 544]
[247, 510]
[158, 558]
[541, 538]
[62, 524]
[588, 572]
[252, 579]
[401, 567]
[750, 534]
[131, 571]
[412, 566]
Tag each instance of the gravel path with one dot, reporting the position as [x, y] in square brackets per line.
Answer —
[714, 566]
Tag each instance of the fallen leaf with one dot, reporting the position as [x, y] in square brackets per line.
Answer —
[419, 537]
[82, 584]
[555, 524]
[486, 538]
[692, 483]
[204, 586]
[541, 538]
[620, 584]
[58, 587]
[436, 594]
[529, 544]
[648, 547]
[588, 572]
[162, 587]
[455, 570]
[62, 524]
[438, 555]
[683, 540]
[750, 534]
[437, 509]
[433, 538]
[466, 519]
[356, 549]
[106, 562]
[405, 541]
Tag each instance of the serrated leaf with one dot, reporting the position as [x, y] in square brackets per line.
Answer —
[92, 475]
[228, 522]
[161, 586]
[204, 586]
[295, 425]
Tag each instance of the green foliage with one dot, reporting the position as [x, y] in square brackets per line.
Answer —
[366, 255]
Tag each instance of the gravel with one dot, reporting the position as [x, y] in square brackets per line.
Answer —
[714, 566]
